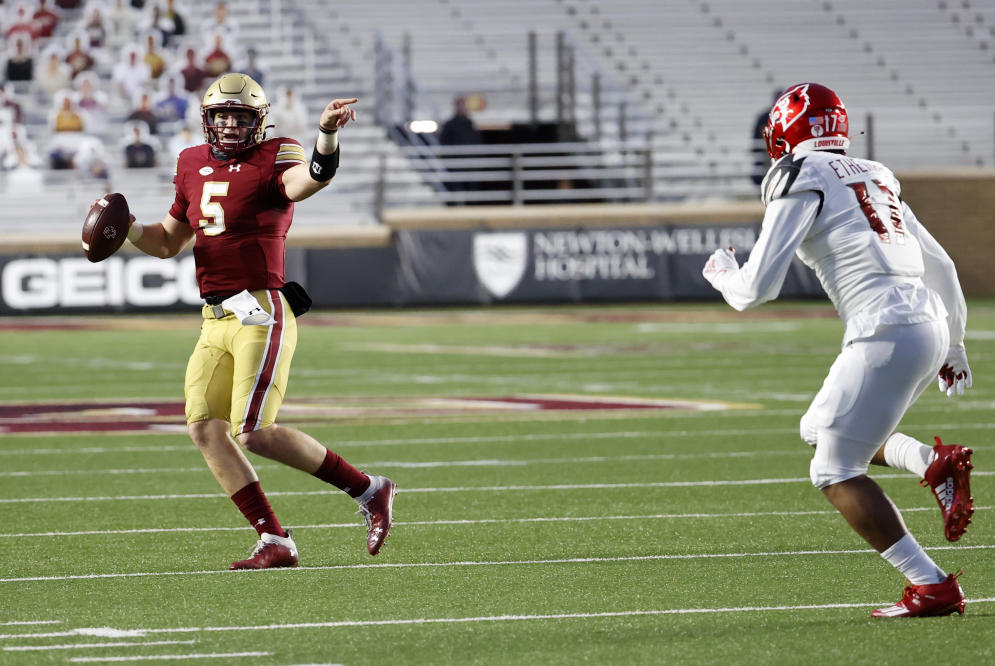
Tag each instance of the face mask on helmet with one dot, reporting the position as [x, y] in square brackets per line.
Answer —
[232, 128]
[234, 113]
[807, 116]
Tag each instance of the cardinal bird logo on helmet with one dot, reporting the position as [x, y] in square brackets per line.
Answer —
[807, 116]
[790, 106]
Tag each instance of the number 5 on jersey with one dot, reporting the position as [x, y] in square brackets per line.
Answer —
[213, 222]
[885, 231]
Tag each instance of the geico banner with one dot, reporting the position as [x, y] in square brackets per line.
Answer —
[39, 284]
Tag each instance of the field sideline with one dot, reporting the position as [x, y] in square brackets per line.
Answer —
[618, 484]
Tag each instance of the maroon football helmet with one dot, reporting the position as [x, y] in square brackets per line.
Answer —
[807, 116]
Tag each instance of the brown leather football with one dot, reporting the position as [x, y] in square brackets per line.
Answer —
[106, 227]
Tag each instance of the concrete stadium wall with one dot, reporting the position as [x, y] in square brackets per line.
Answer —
[959, 210]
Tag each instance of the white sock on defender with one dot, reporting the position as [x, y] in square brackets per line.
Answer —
[904, 452]
[907, 556]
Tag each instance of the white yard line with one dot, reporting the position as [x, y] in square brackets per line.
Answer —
[171, 657]
[466, 563]
[460, 489]
[478, 521]
[518, 618]
[403, 464]
[28, 622]
[662, 433]
[83, 646]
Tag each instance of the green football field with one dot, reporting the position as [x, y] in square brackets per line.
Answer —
[617, 484]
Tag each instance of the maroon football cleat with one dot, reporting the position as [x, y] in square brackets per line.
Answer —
[377, 508]
[270, 551]
[927, 600]
[949, 477]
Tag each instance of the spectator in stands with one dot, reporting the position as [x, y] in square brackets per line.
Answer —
[459, 130]
[761, 162]
[192, 73]
[184, 139]
[139, 153]
[252, 68]
[22, 25]
[10, 110]
[45, 20]
[67, 4]
[67, 132]
[289, 115]
[153, 57]
[156, 23]
[79, 58]
[96, 31]
[20, 65]
[122, 24]
[131, 76]
[23, 176]
[12, 138]
[173, 15]
[218, 61]
[145, 112]
[223, 23]
[90, 158]
[54, 74]
[67, 117]
[92, 102]
[172, 107]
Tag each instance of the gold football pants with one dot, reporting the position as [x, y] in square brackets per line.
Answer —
[239, 373]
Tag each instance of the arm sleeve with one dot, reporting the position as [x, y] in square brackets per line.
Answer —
[289, 154]
[179, 208]
[786, 223]
[940, 275]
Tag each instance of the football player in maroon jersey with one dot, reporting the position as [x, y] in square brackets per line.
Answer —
[235, 195]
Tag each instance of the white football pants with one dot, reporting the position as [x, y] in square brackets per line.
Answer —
[869, 388]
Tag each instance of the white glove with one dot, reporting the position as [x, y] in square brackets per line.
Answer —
[719, 266]
[955, 375]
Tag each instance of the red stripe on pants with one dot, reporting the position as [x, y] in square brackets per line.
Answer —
[267, 369]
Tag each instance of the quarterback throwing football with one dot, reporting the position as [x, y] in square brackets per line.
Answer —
[897, 292]
[235, 195]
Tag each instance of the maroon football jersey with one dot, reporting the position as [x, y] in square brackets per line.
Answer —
[240, 213]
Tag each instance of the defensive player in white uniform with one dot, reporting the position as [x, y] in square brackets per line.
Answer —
[897, 292]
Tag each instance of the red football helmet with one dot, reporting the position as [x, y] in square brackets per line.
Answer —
[807, 116]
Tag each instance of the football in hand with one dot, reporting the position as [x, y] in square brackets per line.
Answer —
[106, 227]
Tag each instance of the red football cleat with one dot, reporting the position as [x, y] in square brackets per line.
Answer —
[949, 477]
[927, 600]
[270, 551]
[377, 508]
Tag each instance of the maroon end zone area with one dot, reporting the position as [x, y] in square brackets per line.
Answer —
[123, 416]
[89, 417]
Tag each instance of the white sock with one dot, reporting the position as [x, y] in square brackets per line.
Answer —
[375, 484]
[907, 556]
[903, 452]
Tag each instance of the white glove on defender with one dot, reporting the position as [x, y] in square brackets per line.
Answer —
[955, 375]
[719, 265]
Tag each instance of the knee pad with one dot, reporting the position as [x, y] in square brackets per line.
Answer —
[838, 458]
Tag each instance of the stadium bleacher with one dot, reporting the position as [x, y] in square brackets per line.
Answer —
[678, 83]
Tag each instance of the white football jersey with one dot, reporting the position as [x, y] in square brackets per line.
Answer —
[844, 219]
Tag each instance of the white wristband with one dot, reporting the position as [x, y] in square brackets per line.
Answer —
[327, 142]
[135, 232]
